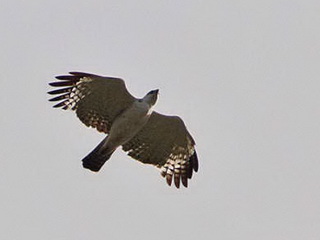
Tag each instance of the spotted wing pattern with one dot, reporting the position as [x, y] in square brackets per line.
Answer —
[165, 142]
[97, 100]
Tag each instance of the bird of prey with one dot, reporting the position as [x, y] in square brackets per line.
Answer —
[104, 103]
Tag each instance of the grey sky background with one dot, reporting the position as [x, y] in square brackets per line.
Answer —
[244, 76]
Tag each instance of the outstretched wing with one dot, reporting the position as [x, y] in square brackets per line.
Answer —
[97, 100]
[165, 142]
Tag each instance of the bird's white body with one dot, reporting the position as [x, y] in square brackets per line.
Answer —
[127, 124]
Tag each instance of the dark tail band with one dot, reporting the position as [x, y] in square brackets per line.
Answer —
[96, 159]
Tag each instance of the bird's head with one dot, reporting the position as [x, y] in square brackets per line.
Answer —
[151, 97]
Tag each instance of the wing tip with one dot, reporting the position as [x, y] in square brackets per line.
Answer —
[60, 104]
[74, 76]
[180, 174]
[81, 74]
[184, 181]
[62, 83]
[177, 180]
[194, 161]
[169, 179]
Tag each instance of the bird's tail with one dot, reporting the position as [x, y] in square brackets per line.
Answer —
[95, 159]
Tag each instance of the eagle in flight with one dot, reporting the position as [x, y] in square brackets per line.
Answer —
[104, 103]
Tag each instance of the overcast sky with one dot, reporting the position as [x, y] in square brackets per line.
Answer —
[244, 76]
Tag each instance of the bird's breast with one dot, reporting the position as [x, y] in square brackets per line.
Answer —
[129, 123]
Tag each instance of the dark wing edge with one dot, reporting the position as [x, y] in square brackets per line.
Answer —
[180, 166]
